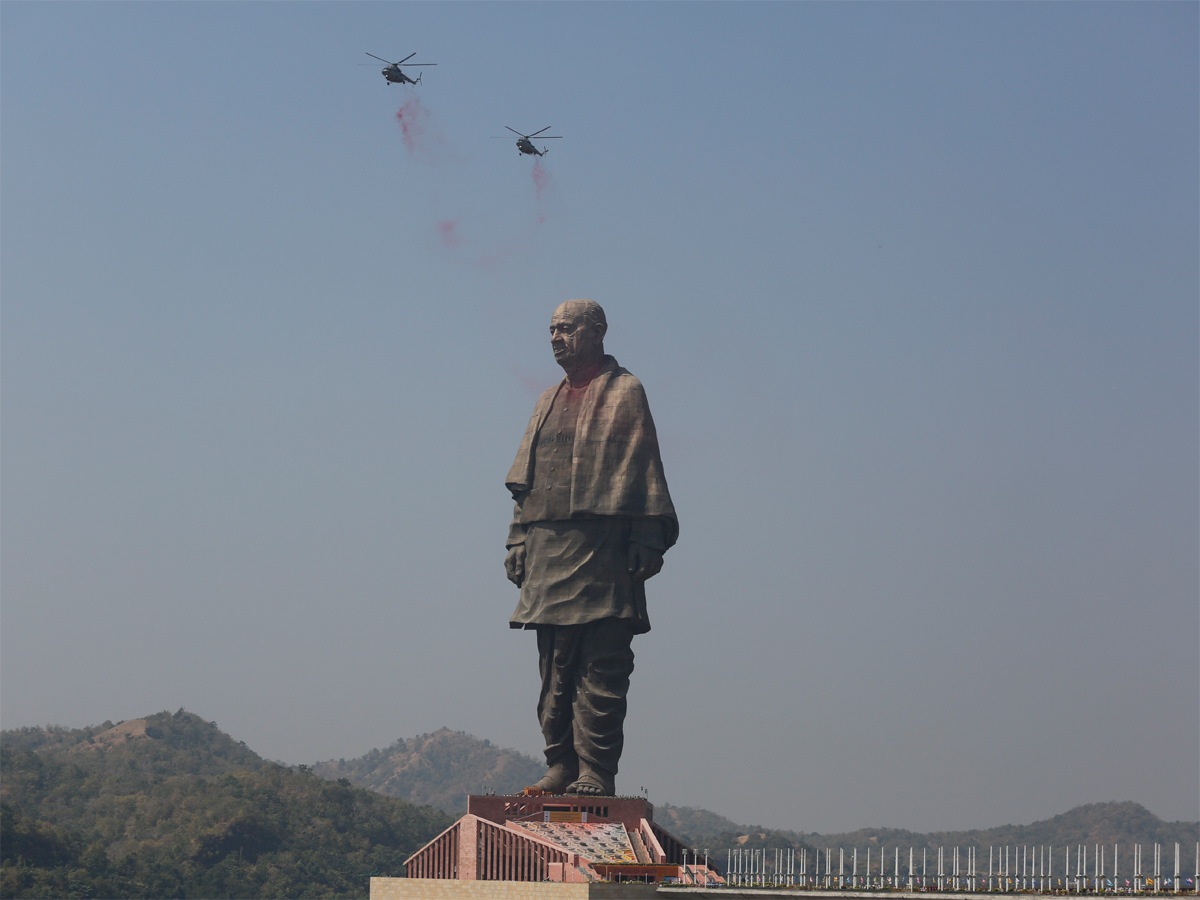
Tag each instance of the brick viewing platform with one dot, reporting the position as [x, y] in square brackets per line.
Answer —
[566, 839]
[610, 849]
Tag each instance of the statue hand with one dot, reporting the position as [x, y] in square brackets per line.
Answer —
[644, 562]
[514, 564]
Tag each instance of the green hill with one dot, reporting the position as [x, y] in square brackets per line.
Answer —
[170, 806]
[437, 769]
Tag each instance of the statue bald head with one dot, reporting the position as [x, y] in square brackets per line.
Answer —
[577, 331]
[590, 310]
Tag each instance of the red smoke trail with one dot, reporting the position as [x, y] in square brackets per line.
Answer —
[448, 232]
[541, 179]
[413, 120]
[417, 129]
[543, 189]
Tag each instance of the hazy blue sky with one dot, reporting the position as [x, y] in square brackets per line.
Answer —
[912, 289]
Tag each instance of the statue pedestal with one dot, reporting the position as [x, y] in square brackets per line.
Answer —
[569, 840]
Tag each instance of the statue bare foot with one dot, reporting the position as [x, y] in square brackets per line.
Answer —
[592, 783]
[555, 781]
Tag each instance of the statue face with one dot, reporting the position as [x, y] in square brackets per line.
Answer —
[572, 339]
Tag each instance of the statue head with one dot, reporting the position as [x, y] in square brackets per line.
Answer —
[577, 331]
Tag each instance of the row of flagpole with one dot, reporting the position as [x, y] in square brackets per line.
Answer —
[1022, 868]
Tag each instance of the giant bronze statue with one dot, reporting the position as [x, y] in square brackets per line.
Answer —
[592, 520]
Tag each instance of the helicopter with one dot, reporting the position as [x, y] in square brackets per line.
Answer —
[525, 145]
[393, 74]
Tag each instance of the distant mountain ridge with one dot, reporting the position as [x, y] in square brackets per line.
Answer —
[438, 769]
[1093, 823]
[441, 768]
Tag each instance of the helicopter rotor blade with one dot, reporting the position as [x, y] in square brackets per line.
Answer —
[419, 64]
[514, 131]
[380, 58]
[410, 56]
[536, 133]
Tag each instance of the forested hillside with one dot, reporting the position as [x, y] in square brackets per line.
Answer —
[169, 806]
[438, 769]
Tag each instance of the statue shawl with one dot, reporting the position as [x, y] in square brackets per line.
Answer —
[616, 470]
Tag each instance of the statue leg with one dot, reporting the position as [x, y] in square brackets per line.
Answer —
[603, 664]
[557, 649]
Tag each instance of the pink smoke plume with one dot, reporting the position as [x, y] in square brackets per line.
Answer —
[417, 129]
[541, 181]
[448, 233]
[544, 192]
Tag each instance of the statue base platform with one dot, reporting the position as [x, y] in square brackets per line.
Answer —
[563, 839]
